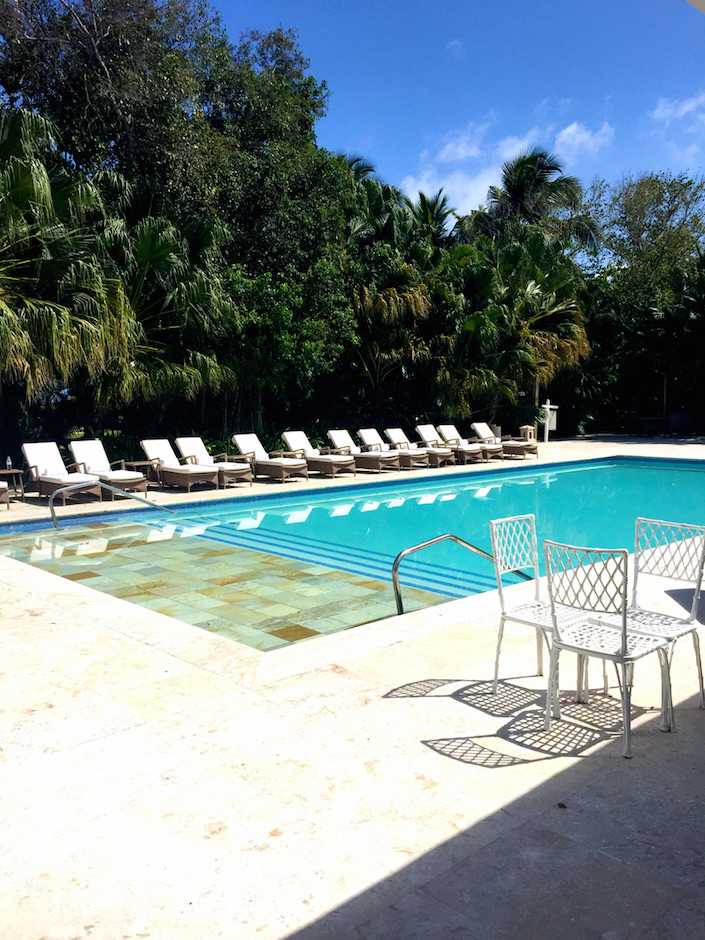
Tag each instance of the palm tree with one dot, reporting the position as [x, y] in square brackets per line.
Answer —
[533, 188]
[179, 306]
[431, 214]
[534, 191]
[59, 311]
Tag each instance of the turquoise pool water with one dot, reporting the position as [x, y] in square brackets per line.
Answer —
[361, 529]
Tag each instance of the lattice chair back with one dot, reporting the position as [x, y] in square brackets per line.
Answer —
[514, 548]
[670, 550]
[590, 579]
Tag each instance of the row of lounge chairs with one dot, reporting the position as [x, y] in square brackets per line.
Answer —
[92, 468]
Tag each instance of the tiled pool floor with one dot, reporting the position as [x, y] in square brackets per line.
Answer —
[263, 601]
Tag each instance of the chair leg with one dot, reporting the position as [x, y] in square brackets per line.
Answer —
[699, 664]
[582, 693]
[626, 711]
[668, 715]
[539, 651]
[552, 704]
[496, 658]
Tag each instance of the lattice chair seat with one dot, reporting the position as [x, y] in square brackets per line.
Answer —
[596, 637]
[595, 580]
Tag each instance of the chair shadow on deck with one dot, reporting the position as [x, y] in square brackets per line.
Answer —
[583, 727]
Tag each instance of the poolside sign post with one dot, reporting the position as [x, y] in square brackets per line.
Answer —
[550, 418]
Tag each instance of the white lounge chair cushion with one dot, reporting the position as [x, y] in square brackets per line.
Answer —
[44, 459]
[484, 431]
[3, 485]
[250, 444]
[91, 454]
[162, 451]
[194, 447]
[372, 440]
[400, 440]
[341, 439]
[121, 476]
[297, 440]
[69, 478]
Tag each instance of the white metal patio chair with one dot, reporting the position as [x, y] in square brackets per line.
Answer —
[594, 581]
[675, 551]
[515, 549]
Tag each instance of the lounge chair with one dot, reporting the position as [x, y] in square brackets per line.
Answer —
[510, 446]
[92, 457]
[437, 456]
[463, 449]
[272, 465]
[431, 438]
[320, 461]
[408, 459]
[194, 452]
[170, 471]
[49, 473]
[364, 460]
[451, 436]
[4, 493]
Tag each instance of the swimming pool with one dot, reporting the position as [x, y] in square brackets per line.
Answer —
[358, 530]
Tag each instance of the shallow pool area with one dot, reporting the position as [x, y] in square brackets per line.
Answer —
[287, 566]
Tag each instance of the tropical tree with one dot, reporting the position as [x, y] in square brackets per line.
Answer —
[61, 313]
[534, 191]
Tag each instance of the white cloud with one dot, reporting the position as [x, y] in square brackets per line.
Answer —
[455, 50]
[510, 147]
[463, 145]
[575, 140]
[669, 110]
[465, 191]
[478, 159]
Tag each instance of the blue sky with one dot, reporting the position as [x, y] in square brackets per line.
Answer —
[439, 94]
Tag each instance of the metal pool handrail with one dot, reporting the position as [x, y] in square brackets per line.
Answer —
[427, 544]
[105, 486]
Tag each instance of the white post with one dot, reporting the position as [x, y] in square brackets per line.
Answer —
[547, 418]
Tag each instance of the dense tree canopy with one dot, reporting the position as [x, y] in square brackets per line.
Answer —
[172, 233]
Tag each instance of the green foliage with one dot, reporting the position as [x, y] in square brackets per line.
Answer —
[171, 234]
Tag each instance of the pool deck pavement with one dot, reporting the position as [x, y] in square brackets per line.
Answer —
[162, 782]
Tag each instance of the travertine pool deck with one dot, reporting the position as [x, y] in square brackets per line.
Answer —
[160, 781]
